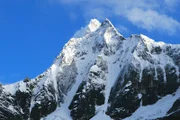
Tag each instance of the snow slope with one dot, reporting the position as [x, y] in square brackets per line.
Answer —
[157, 110]
[116, 62]
[100, 56]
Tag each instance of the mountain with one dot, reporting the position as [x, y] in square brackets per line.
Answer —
[101, 75]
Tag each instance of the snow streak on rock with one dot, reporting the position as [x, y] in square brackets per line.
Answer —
[100, 75]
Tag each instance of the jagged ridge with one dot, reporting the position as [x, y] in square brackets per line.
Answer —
[99, 74]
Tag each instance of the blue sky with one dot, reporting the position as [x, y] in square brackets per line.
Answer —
[33, 32]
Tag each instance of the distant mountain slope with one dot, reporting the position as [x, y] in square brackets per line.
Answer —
[101, 75]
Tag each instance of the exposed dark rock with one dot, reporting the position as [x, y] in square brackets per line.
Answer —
[174, 116]
[146, 71]
[83, 104]
[149, 91]
[125, 103]
[23, 99]
[175, 107]
[156, 50]
[172, 79]
[8, 109]
[45, 103]
[27, 79]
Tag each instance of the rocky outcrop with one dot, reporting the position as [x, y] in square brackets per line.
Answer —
[100, 74]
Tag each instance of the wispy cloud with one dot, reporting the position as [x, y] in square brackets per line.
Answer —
[147, 14]
[171, 3]
[152, 20]
[122, 29]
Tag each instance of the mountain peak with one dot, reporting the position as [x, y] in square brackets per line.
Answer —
[93, 25]
[100, 74]
[107, 22]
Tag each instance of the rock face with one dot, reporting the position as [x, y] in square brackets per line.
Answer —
[101, 75]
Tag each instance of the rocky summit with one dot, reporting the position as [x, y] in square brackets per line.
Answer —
[101, 75]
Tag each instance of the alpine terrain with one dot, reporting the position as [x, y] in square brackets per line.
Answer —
[101, 75]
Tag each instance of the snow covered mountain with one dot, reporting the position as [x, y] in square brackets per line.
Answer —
[101, 75]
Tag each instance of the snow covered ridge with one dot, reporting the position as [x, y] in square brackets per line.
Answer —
[101, 75]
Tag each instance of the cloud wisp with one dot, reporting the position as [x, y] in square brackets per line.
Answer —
[150, 15]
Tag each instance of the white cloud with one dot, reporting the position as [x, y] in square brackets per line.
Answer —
[146, 14]
[99, 13]
[122, 29]
[171, 3]
[152, 20]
